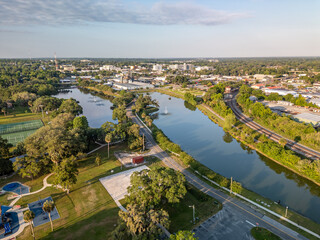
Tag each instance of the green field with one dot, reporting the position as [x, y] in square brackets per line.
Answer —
[19, 114]
[17, 132]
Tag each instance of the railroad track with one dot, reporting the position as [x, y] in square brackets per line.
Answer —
[294, 146]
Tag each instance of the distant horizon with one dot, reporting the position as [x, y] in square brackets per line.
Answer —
[159, 28]
[155, 58]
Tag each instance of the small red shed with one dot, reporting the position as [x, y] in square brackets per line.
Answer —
[137, 160]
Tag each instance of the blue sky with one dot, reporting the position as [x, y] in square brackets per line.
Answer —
[159, 28]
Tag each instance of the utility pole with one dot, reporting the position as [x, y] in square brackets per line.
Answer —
[231, 185]
[286, 212]
[143, 142]
[194, 213]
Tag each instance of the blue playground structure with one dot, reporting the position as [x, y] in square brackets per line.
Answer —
[9, 221]
[7, 229]
[16, 187]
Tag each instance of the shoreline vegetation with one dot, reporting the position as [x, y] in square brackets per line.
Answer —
[243, 139]
[184, 158]
[203, 170]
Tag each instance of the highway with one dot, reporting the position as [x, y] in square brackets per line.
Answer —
[294, 146]
[241, 215]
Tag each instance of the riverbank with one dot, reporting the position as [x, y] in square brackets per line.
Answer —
[220, 122]
[247, 193]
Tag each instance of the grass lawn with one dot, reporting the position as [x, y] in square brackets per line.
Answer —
[88, 211]
[35, 184]
[19, 114]
[263, 234]
[181, 214]
[3, 199]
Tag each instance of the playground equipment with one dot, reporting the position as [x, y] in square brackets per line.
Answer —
[7, 228]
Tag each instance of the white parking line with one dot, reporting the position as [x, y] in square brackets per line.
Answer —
[250, 223]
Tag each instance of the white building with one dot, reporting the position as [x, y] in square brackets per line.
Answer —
[109, 68]
[281, 92]
[200, 68]
[262, 76]
[157, 67]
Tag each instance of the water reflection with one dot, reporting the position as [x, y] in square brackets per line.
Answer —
[96, 109]
[209, 144]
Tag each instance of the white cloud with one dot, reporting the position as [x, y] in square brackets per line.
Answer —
[48, 12]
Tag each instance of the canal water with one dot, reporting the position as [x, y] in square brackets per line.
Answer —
[96, 109]
[210, 145]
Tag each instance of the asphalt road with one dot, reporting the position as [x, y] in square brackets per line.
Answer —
[294, 146]
[235, 220]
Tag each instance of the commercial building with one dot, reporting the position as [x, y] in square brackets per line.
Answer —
[314, 119]
[281, 92]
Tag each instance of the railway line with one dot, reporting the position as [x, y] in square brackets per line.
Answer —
[294, 146]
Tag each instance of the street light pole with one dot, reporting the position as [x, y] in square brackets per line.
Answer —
[194, 213]
[231, 185]
[286, 212]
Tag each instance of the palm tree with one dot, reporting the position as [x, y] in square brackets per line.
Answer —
[28, 217]
[108, 139]
[143, 115]
[48, 207]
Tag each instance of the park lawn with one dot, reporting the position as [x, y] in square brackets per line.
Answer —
[88, 211]
[34, 184]
[3, 199]
[181, 214]
[263, 234]
[19, 114]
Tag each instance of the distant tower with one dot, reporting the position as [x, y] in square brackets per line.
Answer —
[56, 62]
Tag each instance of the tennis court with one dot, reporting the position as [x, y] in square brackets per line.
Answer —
[19, 127]
[17, 132]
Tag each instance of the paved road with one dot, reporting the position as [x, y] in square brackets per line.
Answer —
[236, 219]
[294, 146]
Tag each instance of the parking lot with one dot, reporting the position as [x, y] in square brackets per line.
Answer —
[224, 225]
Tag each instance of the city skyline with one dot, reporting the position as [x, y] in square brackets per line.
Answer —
[159, 29]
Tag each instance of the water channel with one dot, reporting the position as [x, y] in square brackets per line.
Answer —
[210, 145]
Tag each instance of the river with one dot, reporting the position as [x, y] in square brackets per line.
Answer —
[210, 145]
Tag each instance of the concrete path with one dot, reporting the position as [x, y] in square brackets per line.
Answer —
[22, 223]
[45, 185]
[240, 209]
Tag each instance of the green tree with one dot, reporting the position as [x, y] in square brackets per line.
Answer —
[70, 106]
[155, 186]
[229, 121]
[148, 120]
[27, 167]
[28, 217]
[48, 207]
[5, 163]
[143, 223]
[108, 139]
[183, 235]
[81, 122]
[134, 138]
[120, 114]
[66, 173]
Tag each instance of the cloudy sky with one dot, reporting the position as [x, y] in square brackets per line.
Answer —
[159, 28]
